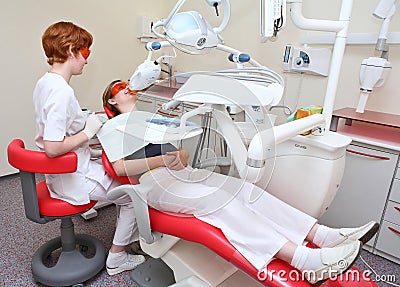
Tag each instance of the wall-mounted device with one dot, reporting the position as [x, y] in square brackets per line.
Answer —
[307, 60]
[144, 24]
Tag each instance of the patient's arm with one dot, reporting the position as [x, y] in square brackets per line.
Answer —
[136, 166]
[180, 161]
[175, 160]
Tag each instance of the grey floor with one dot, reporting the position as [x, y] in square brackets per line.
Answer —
[21, 237]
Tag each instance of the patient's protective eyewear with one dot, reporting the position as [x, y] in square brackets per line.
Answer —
[85, 52]
[117, 87]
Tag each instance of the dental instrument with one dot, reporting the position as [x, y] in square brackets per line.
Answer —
[149, 71]
[273, 18]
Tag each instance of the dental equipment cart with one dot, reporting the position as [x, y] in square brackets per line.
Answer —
[370, 188]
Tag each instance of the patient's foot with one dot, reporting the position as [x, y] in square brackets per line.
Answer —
[331, 237]
[122, 261]
[319, 265]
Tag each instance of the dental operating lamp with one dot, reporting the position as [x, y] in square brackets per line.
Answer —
[189, 31]
[186, 31]
[374, 70]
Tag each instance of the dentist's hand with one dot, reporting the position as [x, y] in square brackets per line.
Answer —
[176, 160]
[92, 126]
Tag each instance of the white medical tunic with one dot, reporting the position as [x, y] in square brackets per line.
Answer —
[58, 115]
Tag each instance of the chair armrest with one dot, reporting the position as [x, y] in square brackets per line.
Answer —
[138, 194]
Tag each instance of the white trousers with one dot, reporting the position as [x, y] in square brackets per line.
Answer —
[256, 223]
[126, 230]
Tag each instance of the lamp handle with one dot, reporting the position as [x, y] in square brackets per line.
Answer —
[227, 15]
[157, 24]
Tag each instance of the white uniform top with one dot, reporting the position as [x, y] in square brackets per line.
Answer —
[58, 114]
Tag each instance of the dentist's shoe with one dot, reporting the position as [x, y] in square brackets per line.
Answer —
[336, 260]
[363, 233]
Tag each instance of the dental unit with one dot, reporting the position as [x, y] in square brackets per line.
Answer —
[303, 171]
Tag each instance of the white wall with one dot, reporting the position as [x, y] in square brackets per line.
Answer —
[116, 53]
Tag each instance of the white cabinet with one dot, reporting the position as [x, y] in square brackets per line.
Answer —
[364, 190]
[370, 189]
[388, 243]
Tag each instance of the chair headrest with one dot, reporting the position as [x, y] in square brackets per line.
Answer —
[109, 112]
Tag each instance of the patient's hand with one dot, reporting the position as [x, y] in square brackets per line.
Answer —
[176, 160]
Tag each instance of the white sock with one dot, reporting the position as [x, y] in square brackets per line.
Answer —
[305, 258]
[116, 259]
[326, 235]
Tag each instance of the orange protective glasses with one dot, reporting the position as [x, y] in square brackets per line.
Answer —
[117, 87]
[85, 52]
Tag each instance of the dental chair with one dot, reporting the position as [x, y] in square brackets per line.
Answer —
[199, 254]
[82, 256]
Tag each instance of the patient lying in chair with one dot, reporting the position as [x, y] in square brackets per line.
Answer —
[260, 229]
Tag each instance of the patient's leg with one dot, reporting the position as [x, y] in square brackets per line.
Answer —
[292, 223]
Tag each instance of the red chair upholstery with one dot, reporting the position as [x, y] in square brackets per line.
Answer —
[107, 164]
[72, 266]
[109, 112]
[110, 170]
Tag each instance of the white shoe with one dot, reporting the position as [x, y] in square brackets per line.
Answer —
[130, 263]
[336, 260]
[363, 233]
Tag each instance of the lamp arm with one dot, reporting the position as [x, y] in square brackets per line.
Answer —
[160, 23]
[227, 15]
[173, 12]
[237, 52]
